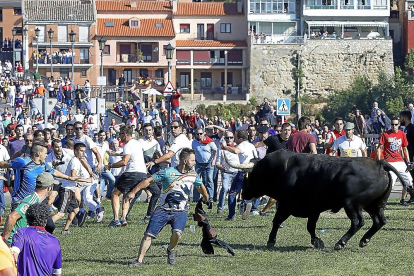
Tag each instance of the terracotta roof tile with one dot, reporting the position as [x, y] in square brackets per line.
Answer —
[58, 10]
[210, 43]
[125, 5]
[147, 28]
[207, 9]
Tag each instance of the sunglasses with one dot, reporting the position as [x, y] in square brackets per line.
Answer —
[29, 141]
[394, 124]
[228, 138]
[199, 133]
[78, 128]
[174, 127]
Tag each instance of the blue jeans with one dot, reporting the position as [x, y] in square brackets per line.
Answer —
[215, 182]
[206, 173]
[2, 200]
[225, 184]
[161, 217]
[176, 108]
[235, 188]
[107, 179]
[376, 127]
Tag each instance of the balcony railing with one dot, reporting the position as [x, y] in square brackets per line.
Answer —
[61, 60]
[132, 58]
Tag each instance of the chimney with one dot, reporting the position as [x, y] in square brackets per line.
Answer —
[240, 6]
[174, 5]
[133, 3]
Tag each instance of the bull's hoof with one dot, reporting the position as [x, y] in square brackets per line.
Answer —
[364, 243]
[339, 245]
[317, 243]
[270, 244]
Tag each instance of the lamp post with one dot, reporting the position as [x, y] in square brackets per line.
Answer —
[14, 32]
[102, 42]
[25, 31]
[169, 52]
[72, 37]
[37, 32]
[50, 33]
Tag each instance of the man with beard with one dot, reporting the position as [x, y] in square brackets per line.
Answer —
[349, 145]
[332, 136]
[405, 120]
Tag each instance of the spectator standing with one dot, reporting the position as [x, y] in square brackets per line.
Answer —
[303, 141]
[349, 145]
[175, 101]
[335, 134]
[374, 118]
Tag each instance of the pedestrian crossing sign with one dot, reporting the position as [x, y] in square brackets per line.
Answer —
[283, 107]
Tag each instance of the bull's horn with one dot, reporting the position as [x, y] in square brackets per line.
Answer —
[238, 166]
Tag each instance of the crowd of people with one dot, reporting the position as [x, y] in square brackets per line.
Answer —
[58, 57]
[64, 166]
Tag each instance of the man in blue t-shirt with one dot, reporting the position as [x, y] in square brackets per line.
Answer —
[172, 206]
[27, 169]
[37, 251]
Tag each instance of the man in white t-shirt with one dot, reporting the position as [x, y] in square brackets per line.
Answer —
[180, 141]
[106, 176]
[135, 172]
[12, 93]
[349, 145]
[78, 116]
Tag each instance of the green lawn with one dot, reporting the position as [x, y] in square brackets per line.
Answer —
[98, 250]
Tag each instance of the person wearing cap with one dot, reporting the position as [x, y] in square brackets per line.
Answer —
[349, 145]
[17, 218]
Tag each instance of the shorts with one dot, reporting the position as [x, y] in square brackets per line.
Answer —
[162, 217]
[128, 180]
[67, 202]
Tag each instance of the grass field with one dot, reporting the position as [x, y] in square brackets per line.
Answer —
[98, 250]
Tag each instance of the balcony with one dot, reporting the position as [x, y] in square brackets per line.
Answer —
[61, 62]
[347, 8]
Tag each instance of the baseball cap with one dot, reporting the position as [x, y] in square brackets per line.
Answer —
[349, 125]
[45, 180]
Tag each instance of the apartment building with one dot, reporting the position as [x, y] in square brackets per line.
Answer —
[49, 24]
[212, 57]
[136, 34]
[10, 17]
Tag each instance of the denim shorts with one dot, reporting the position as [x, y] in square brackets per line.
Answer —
[162, 217]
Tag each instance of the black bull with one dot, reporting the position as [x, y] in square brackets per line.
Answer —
[305, 185]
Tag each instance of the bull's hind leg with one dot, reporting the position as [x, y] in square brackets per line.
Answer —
[357, 221]
[378, 221]
[279, 218]
[311, 226]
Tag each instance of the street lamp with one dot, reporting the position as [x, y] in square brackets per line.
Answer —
[37, 32]
[102, 42]
[25, 40]
[14, 32]
[50, 33]
[72, 37]
[169, 52]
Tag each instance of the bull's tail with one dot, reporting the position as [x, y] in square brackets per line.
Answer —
[387, 167]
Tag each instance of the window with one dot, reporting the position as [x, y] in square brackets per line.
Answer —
[206, 80]
[200, 31]
[107, 50]
[62, 33]
[146, 50]
[277, 6]
[1, 14]
[64, 72]
[84, 55]
[83, 34]
[225, 28]
[134, 23]
[184, 28]
[83, 73]
[159, 25]
[109, 24]
[17, 11]
[128, 76]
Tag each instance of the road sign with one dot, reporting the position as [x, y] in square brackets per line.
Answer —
[283, 107]
[168, 89]
[102, 80]
[50, 104]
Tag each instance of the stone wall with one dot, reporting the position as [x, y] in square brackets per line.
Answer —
[327, 65]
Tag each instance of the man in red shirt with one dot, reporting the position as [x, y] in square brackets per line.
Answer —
[175, 102]
[302, 141]
[333, 135]
[394, 144]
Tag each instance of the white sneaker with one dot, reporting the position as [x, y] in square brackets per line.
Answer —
[246, 213]
[100, 214]
[255, 213]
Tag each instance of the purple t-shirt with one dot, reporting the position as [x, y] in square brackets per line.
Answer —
[299, 142]
[15, 145]
[39, 252]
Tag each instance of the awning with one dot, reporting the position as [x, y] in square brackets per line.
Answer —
[347, 23]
